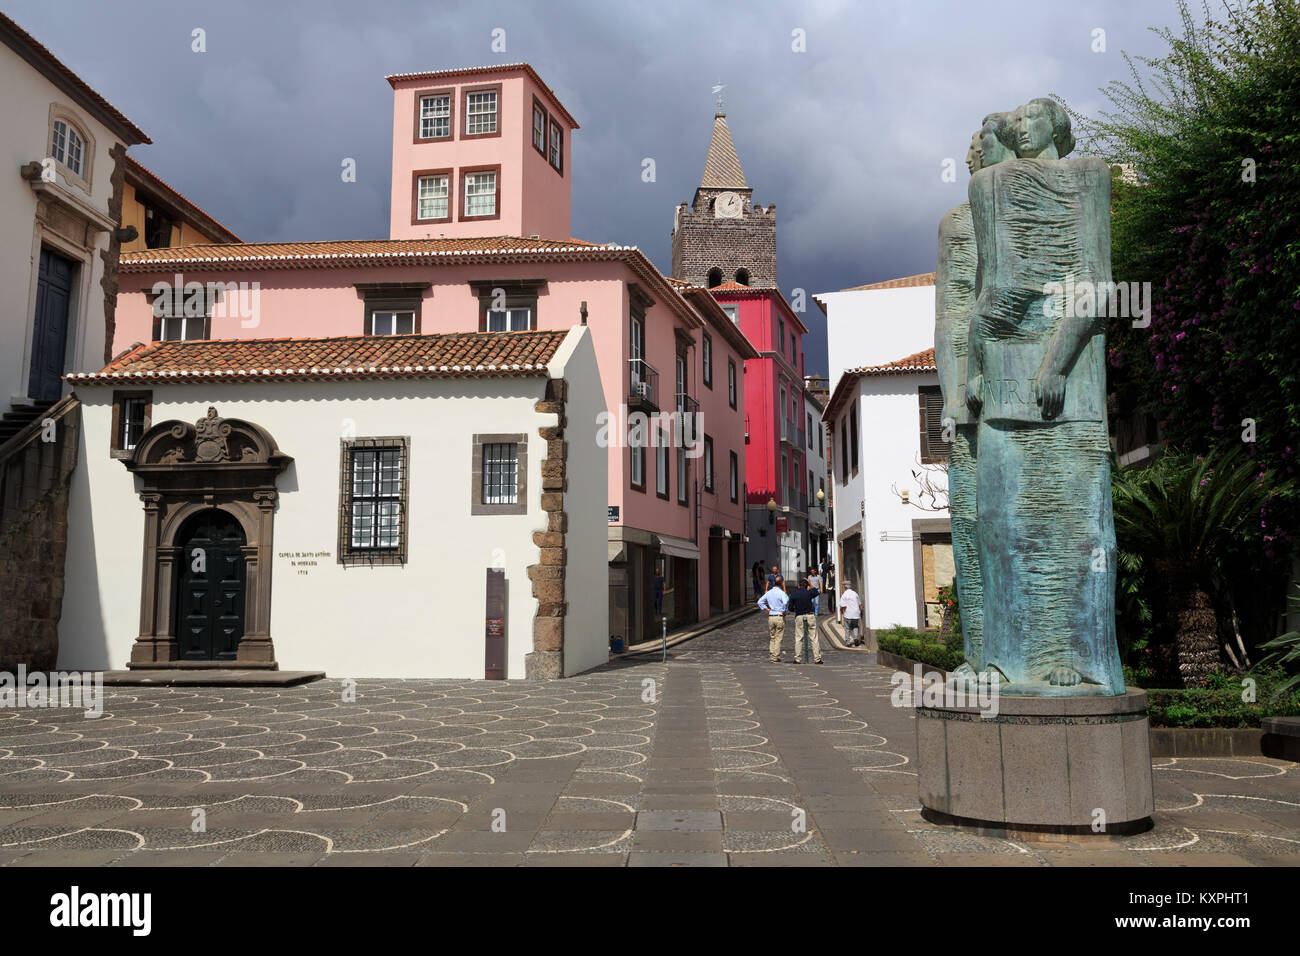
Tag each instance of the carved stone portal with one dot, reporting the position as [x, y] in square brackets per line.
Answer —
[226, 464]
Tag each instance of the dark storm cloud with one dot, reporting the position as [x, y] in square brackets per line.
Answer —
[847, 138]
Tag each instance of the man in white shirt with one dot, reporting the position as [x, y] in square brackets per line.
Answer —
[774, 603]
[851, 605]
[815, 582]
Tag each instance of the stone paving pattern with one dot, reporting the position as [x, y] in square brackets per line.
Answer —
[715, 758]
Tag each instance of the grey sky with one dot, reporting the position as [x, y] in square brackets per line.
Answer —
[847, 138]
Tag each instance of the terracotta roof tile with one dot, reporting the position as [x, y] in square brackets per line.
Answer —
[344, 357]
[906, 282]
[307, 255]
[918, 362]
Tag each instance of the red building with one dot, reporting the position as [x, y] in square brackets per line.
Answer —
[776, 492]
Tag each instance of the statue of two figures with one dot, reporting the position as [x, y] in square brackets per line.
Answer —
[1023, 378]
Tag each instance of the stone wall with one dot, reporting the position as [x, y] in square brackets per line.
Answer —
[548, 576]
[36, 468]
[702, 242]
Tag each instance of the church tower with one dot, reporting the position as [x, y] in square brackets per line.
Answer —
[722, 236]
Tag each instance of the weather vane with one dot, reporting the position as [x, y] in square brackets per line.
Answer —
[717, 91]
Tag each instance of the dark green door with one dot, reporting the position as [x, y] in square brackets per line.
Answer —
[210, 605]
[50, 328]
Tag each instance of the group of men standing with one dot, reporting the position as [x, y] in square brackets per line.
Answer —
[802, 603]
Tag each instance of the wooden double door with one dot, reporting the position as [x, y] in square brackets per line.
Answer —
[212, 587]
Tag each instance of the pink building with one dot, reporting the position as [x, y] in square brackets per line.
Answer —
[479, 152]
[776, 473]
[662, 348]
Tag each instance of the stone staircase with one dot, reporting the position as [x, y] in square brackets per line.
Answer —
[19, 417]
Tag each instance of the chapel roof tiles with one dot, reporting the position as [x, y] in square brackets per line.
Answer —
[341, 357]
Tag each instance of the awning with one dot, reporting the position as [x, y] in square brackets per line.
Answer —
[677, 547]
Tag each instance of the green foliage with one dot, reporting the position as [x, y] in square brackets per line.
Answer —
[1221, 704]
[1186, 521]
[1284, 653]
[1211, 133]
[923, 646]
[948, 602]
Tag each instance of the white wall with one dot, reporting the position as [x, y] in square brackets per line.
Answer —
[892, 443]
[25, 119]
[422, 619]
[888, 452]
[586, 582]
[876, 326]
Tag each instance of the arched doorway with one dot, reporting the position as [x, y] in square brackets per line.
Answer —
[211, 587]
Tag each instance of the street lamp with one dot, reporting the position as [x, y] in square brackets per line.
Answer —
[821, 498]
[771, 510]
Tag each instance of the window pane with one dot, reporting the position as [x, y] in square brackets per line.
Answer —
[539, 127]
[433, 197]
[435, 116]
[59, 145]
[481, 112]
[520, 320]
[557, 145]
[481, 194]
[500, 474]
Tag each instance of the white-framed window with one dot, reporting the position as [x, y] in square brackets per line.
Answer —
[638, 466]
[706, 349]
[435, 196]
[683, 475]
[557, 146]
[733, 313]
[481, 193]
[67, 146]
[376, 498]
[500, 474]
[539, 128]
[661, 467]
[181, 328]
[435, 116]
[135, 412]
[383, 322]
[481, 112]
[509, 320]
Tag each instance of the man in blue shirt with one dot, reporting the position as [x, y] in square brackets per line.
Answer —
[774, 602]
[805, 621]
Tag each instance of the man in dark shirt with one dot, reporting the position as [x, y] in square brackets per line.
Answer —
[805, 621]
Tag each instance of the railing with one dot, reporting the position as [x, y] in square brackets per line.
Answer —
[645, 383]
[803, 439]
[689, 409]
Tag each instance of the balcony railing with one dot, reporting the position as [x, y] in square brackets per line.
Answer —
[803, 439]
[788, 431]
[645, 384]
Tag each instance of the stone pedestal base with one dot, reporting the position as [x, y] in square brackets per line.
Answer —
[1043, 766]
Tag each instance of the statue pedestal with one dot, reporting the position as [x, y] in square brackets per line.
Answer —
[1044, 768]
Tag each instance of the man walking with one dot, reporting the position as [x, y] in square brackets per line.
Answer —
[774, 603]
[805, 622]
[851, 604]
[815, 582]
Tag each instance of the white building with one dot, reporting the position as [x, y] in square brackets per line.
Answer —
[332, 504]
[873, 324]
[60, 203]
[892, 533]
